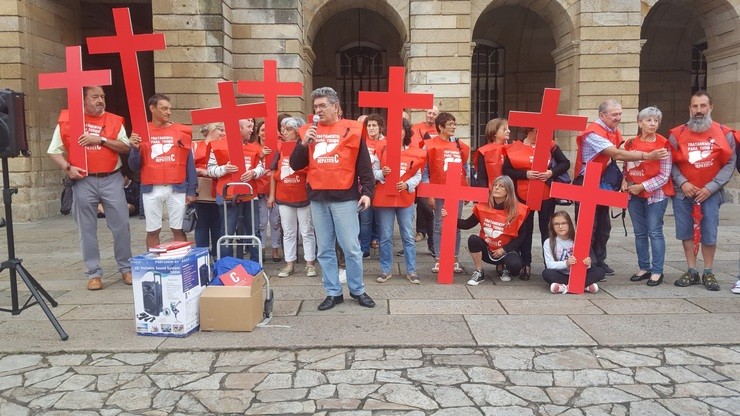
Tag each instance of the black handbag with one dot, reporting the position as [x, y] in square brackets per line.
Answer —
[612, 177]
[190, 219]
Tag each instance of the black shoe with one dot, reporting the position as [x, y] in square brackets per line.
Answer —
[364, 300]
[365, 254]
[608, 270]
[399, 253]
[330, 302]
[636, 278]
[652, 282]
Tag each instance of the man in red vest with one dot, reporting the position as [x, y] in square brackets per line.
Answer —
[168, 176]
[104, 139]
[335, 152]
[703, 163]
[600, 143]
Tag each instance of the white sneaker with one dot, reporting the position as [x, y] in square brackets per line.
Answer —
[435, 269]
[736, 288]
[592, 288]
[505, 276]
[342, 276]
[559, 288]
[457, 268]
[477, 278]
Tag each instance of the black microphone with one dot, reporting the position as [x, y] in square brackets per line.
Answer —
[314, 123]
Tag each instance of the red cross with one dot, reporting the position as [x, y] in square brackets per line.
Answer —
[546, 122]
[589, 195]
[395, 100]
[73, 80]
[126, 45]
[270, 88]
[230, 113]
[452, 192]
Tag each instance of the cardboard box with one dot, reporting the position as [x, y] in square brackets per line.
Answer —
[233, 308]
[166, 292]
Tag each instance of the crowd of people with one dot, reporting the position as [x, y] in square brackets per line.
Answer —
[326, 188]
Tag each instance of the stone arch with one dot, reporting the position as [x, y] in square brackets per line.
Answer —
[670, 30]
[316, 15]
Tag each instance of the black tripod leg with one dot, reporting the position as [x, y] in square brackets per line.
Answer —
[38, 287]
[33, 285]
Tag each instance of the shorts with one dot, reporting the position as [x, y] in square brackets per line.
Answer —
[154, 201]
[682, 208]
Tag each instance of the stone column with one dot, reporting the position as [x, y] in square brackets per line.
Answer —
[198, 54]
[438, 57]
[33, 36]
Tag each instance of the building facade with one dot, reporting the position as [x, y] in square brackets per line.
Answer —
[480, 58]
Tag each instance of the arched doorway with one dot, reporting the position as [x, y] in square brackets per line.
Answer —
[512, 64]
[672, 62]
[354, 49]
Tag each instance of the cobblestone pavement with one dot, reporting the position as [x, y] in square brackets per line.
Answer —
[414, 381]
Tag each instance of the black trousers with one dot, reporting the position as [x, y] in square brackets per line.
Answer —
[602, 228]
[425, 220]
[593, 274]
[512, 261]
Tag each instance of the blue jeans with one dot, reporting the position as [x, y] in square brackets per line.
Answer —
[337, 221]
[438, 205]
[405, 218]
[647, 222]
[368, 228]
[243, 226]
[209, 225]
[709, 224]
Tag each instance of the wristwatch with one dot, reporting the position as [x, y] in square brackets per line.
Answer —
[103, 140]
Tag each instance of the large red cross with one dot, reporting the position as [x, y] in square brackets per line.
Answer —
[589, 195]
[395, 100]
[452, 192]
[126, 45]
[270, 88]
[74, 80]
[230, 113]
[546, 122]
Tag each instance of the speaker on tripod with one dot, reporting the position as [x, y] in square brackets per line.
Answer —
[13, 143]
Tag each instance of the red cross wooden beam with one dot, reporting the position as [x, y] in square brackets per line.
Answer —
[126, 45]
[546, 122]
[230, 113]
[270, 88]
[74, 80]
[589, 195]
[452, 192]
[395, 100]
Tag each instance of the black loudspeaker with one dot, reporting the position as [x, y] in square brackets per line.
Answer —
[13, 140]
[204, 275]
[152, 295]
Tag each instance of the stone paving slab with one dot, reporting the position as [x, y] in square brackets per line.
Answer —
[641, 306]
[719, 305]
[559, 305]
[445, 307]
[674, 329]
[525, 330]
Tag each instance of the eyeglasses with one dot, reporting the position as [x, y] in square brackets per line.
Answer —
[451, 124]
[321, 106]
[559, 224]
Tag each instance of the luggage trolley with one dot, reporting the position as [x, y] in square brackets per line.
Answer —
[243, 241]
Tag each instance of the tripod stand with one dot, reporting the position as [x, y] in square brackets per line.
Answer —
[16, 268]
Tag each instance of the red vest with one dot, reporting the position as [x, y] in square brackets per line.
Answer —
[439, 153]
[372, 145]
[493, 157]
[700, 156]
[333, 155]
[412, 160]
[639, 171]
[290, 186]
[251, 154]
[495, 229]
[100, 159]
[419, 130]
[521, 156]
[615, 138]
[206, 185]
[164, 158]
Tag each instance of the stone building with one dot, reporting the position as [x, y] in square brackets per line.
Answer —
[481, 58]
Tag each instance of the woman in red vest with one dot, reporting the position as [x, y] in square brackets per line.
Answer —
[518, 166]
[489, 159]
[398, 205]
[269, 217]
[369, 236]
[649, 184]
[500, 237]
[288, 190]
[208, 227]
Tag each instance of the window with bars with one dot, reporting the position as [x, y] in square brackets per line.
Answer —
[361, 68]
[487, 84]
[698, 67]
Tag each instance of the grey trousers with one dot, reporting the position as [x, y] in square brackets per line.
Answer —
[88, 192]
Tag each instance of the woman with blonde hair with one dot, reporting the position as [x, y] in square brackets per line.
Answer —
[208, 227]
